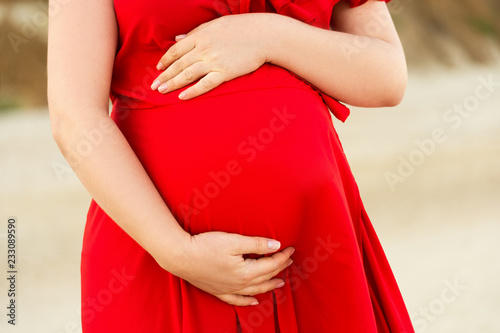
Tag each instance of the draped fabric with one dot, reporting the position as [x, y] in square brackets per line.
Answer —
[256, 156]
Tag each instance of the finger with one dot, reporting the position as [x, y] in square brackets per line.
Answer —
[238, 300]
[173, 70]
[179, 37]
[258, 245]
[262, 269]
[207, 83]
[266, 276]
[262, 287]
[187, 76]
[175, 52]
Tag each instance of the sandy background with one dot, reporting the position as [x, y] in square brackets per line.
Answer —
[440, 227]
[439, 224]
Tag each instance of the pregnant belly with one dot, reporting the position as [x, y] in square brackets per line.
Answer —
[249, 162]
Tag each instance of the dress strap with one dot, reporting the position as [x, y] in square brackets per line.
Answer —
[339, 110]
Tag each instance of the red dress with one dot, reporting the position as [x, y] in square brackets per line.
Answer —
[256, 156]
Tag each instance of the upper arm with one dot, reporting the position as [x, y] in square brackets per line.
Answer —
[81, 50]
[374, 42]
[371, 19]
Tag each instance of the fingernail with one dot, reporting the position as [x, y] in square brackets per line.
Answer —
[180, 36]
[155, 84]
[159, 66]
[273, 245]
[281, 284]
[163, 88]
[254, 303]
[182, 95]
[293, 250]
[291, 262]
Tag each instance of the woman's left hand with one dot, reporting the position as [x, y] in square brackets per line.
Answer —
[214, 52]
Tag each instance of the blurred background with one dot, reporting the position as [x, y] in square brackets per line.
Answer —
[428, 171]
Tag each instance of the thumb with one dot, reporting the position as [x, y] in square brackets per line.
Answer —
[257, 245]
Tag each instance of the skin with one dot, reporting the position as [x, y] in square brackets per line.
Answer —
[81, 52]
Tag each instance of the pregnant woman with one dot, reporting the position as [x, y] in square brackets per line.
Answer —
[222, 199]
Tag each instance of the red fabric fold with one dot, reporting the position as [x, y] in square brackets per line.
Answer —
[339, 110]
[288, 8]
[256, 156]
[355, 3]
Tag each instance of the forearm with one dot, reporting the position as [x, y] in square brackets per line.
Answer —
[358, 70]
[111, 172]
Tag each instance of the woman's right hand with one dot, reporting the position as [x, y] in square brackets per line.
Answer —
[214, 262]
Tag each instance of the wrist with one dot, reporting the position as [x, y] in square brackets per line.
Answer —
[275, 33]
[170, 249]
